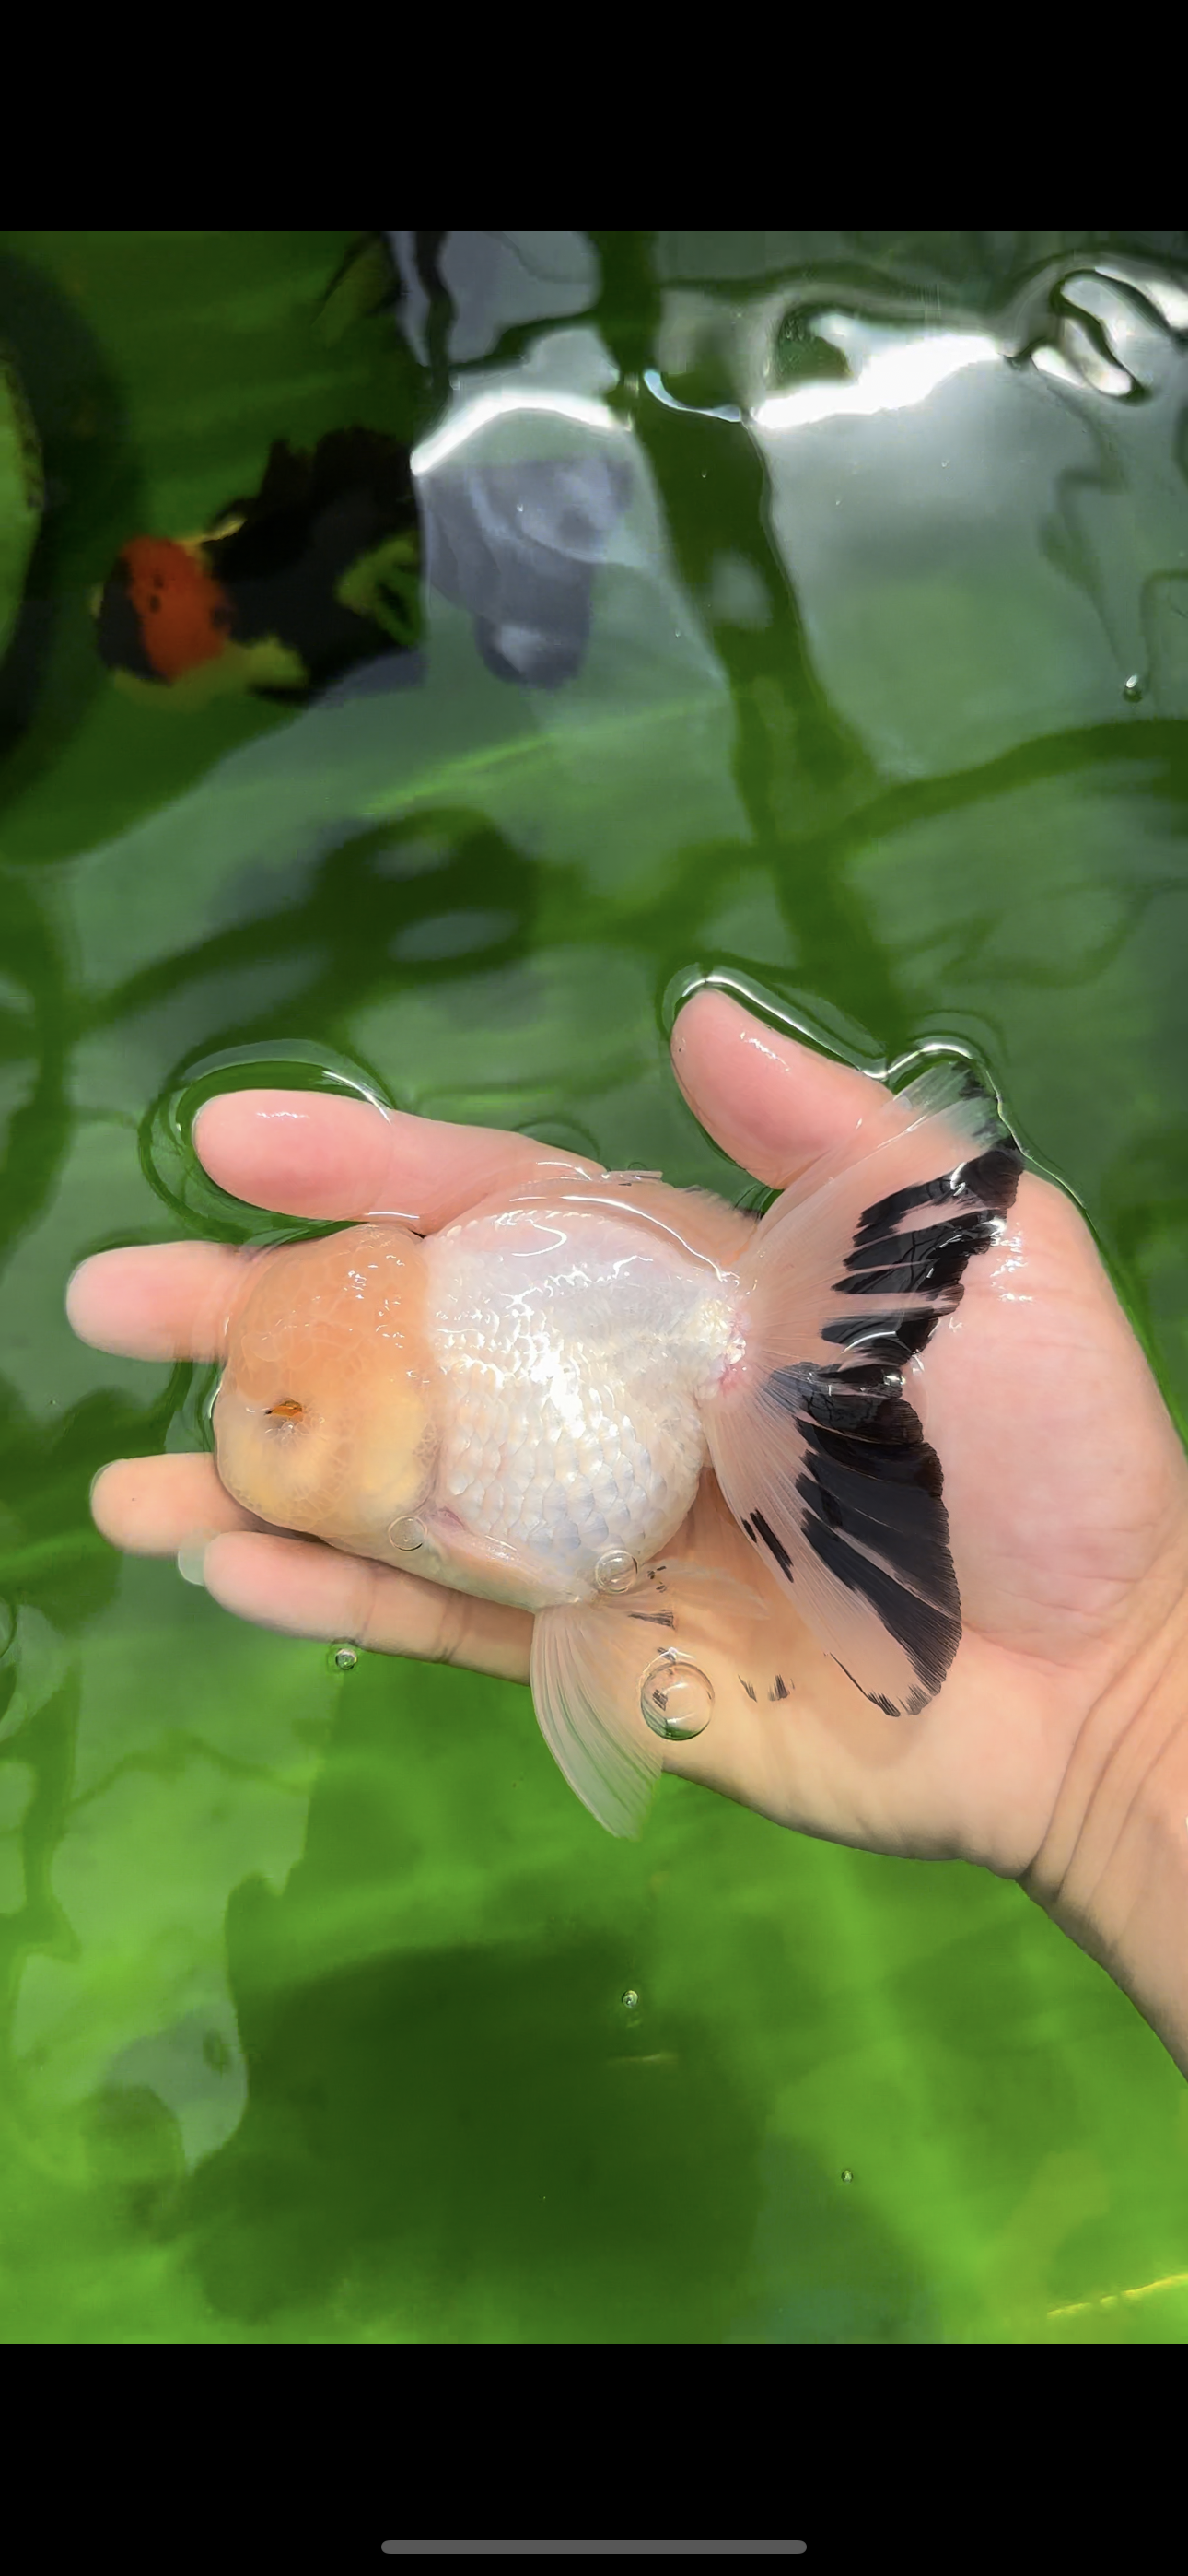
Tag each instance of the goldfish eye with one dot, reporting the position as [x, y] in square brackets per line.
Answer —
[288, 1410]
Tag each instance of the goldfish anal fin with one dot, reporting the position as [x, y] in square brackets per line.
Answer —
[587, 1664]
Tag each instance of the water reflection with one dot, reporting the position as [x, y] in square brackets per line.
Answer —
[471, 294]
[517, 546]
[892, 377]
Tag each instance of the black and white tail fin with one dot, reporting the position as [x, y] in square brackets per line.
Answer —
[818, 1450]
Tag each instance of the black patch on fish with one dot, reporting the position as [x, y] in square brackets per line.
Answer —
[903, 1334]
[931, 1260]
[748, 1532]
[876, 1698]
[912, 1539]
[917, 1265]
[870, 1481]
[781, 1688]
[883, 1214]
[749, 1688]
[929, 1635]
[313, 518]
[774, 1546]
[118, 631]
[864, 1399]
[995, 1175]
[992, 1177]
[933, 1256]
[654, 1618]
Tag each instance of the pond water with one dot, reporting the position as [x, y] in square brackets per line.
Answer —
[810, 609]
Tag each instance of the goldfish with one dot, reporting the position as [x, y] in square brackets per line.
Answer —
[642, 1417]
[287, 588]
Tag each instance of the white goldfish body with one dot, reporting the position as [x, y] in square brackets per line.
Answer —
[527, 1405]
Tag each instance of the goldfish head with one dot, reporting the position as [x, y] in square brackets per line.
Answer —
[325, 1420]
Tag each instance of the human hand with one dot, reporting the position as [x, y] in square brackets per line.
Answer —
[1065, 1483]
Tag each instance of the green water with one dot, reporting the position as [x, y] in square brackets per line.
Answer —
[313, 1981]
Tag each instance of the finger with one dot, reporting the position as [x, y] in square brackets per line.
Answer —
[312, 1154]
[159, 1301]
[307, 1590]
[156, 1506]
[773, 1105]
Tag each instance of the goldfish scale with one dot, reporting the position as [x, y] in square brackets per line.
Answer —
[572, 1343]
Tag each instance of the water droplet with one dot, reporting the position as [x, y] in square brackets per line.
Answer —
[630, 2000]
[616, 1571]
[676, 1697]
[847, 2176]
[1133, 687]
[343, 1659]
[407, 1532]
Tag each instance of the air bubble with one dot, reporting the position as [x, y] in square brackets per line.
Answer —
[676, 1697]
[630, 2001]
[616, 1571]
[406, 1533]
[343, 1659]
[846, 2174]
[1133, 687]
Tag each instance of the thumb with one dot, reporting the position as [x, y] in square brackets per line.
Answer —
[773, 1105]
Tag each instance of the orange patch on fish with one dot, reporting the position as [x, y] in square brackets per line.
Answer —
[184, 614]
[323, 1418]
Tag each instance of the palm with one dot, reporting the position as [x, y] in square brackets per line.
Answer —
[1066, 1491]
[1065, 1485]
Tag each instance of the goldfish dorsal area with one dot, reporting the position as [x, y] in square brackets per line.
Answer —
[325, 1420]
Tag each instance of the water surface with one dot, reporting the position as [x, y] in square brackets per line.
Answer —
[861, 669]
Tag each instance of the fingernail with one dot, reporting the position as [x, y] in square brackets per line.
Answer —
[190, 1562]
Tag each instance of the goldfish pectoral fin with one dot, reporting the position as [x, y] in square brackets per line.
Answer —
[587, 1670]
[380, 588]
[269, 666]
[820, 1454]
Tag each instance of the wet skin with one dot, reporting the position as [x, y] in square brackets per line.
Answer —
[1066, 1485]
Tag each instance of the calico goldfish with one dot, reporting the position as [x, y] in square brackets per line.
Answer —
[288, 587]
[532, 1404]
